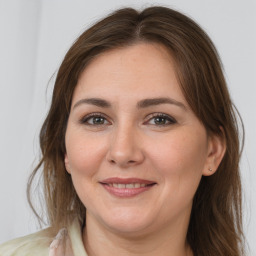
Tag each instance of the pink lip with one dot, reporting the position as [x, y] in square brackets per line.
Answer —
[127, 181]
[126, 192]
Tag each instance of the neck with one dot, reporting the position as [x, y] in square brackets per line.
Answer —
[99, 240]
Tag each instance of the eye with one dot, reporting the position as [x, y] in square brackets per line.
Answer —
[95, 119]
[160, 119]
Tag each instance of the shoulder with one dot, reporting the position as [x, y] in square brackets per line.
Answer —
[34, 244]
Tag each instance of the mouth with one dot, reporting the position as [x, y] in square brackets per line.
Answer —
[127, 187]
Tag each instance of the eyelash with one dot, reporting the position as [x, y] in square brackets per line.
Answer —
[85, 119]
[166, 117]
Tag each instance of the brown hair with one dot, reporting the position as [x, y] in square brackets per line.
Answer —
[216, 219]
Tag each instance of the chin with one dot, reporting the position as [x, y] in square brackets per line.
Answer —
[127, 223]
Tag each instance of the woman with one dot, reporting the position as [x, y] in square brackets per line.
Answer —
[140, 147]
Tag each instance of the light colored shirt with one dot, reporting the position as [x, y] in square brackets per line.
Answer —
[68, 242]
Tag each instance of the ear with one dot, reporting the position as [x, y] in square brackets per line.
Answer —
[66, 161]
[216, 152]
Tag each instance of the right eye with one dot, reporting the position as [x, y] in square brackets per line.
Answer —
[95, 119]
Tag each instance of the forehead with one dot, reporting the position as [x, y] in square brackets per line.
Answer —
[143, 69]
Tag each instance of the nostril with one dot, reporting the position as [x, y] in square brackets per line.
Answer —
[124, 157]
[129, 162]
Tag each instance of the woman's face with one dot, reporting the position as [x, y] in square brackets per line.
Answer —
[135, 150]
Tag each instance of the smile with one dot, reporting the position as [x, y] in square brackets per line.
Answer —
[127, 187]
[131, 185]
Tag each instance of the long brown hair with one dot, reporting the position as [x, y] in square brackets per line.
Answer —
[216, 219]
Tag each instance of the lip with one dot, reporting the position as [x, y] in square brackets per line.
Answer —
[126, 192]
[127, 181]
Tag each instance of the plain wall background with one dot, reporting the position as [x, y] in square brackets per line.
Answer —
[35, 36]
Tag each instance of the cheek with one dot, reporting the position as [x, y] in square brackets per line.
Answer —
[84, 153]
[180, 161]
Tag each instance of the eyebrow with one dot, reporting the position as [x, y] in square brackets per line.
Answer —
[158, 101]
[141, 104]
[94, 101]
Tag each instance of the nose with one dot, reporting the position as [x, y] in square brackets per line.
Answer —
[125, 147]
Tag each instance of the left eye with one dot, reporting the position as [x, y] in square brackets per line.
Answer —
[161, 120]
[94, 120]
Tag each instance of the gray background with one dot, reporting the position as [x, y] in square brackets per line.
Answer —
[35, 34]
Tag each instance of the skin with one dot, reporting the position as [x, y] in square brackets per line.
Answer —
[127, 141]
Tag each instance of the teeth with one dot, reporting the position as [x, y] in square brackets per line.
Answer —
[131, 185]
[121, 185]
